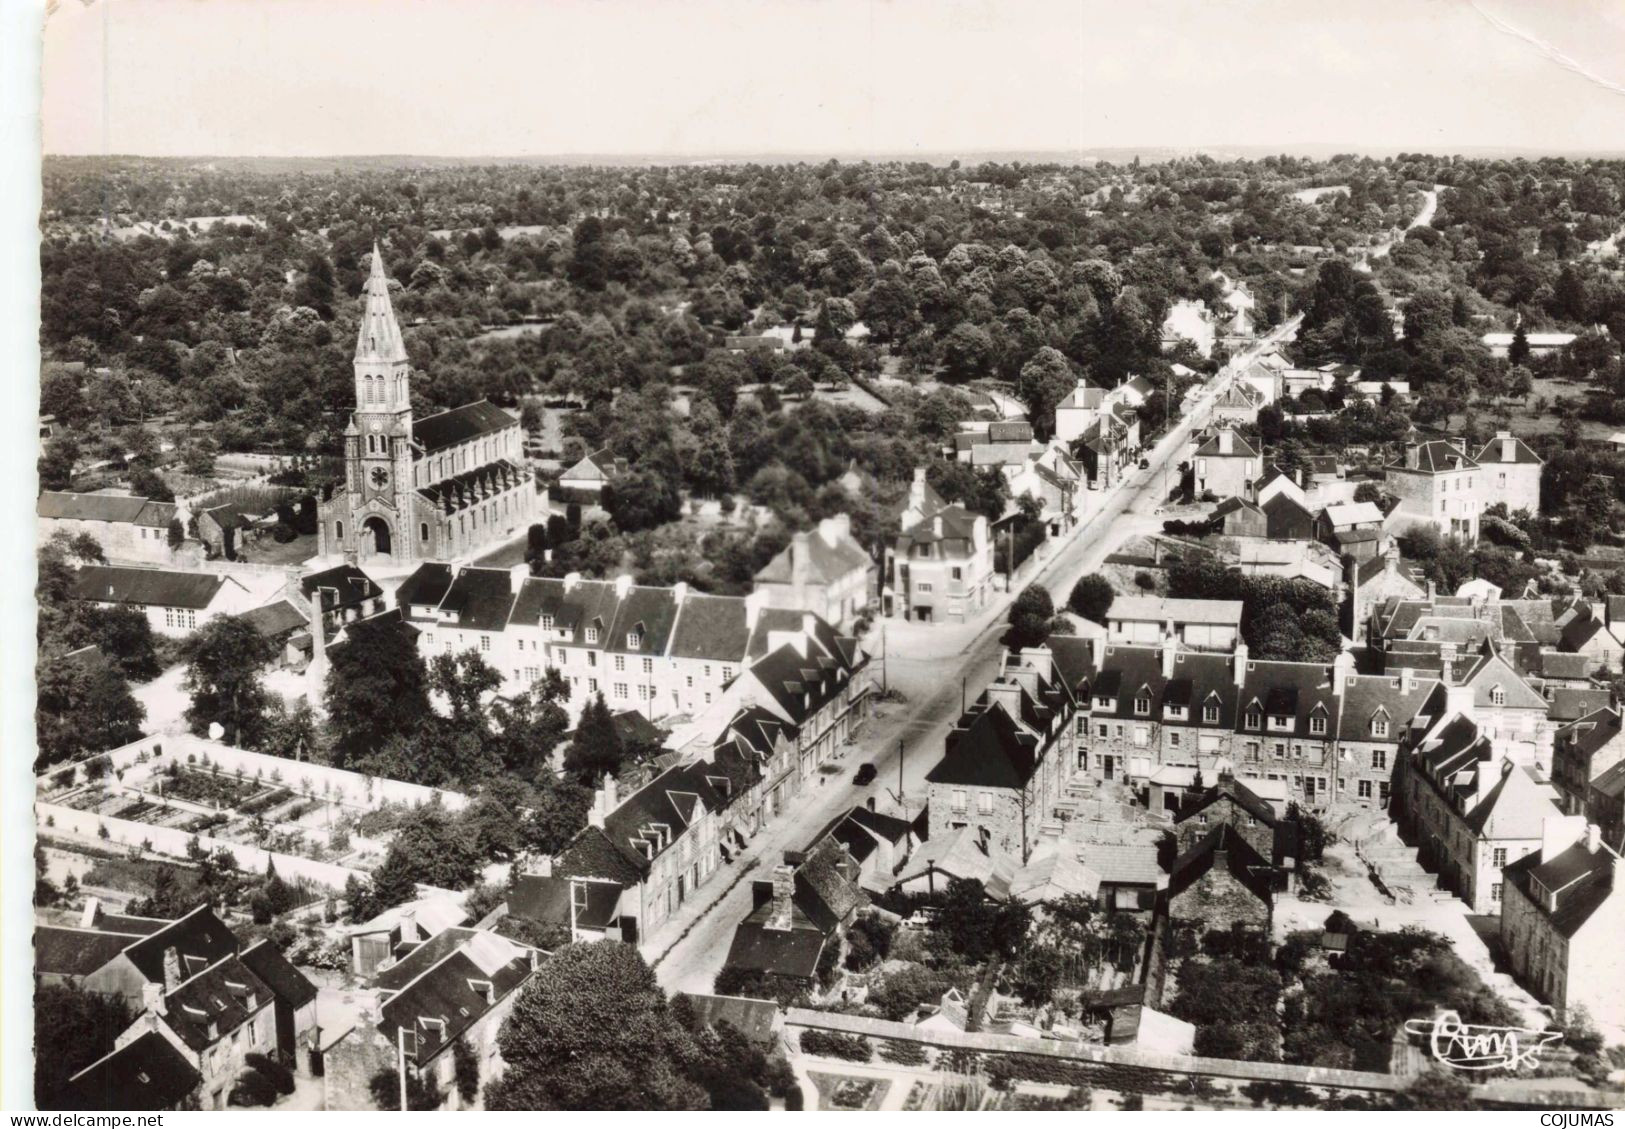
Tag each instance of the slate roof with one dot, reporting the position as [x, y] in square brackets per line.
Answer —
[540, 897]
[595, 466]
[226, 994]
[147, 1073]
[960, 854]
[1435, 457]
[1161, 608]
[642, 828]
[1491, 452]
[1569, 703]
[574, 608]
[275, 620]
[426, 587]
[1516, 807]
[989, 751]
[711, 627]
[75, 952]
[117, 508]
[1239, 449]
[149, 587]
[459, 425]
[651, 613]
[1581, 880]
[1246, 865]
[1228, 787]
[200, 939]
[349, 584]
[1368, 696]
[1123, 864]
[753, 1019]
[448, 998]
[791, 952]
[1299, 691]
[286, 982]
[826, 562]
[481, 598]
[955, 521]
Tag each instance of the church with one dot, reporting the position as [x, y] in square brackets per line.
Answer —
[446, 486]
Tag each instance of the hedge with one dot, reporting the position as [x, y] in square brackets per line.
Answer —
[830, 1044]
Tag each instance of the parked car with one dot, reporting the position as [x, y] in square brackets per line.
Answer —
[1145, 464]
[866, 774]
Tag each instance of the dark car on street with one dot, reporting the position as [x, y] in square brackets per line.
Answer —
[866, 774]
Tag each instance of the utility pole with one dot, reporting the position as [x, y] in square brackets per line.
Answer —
[400, 1049]
[900, 774]
[885, 686]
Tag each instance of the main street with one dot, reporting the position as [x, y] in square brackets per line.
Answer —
[688, 951]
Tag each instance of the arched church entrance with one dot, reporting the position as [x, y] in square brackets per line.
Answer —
[375, 539]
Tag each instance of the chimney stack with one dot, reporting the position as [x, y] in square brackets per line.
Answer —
[1168, 652]
[754, 600]
[172, 969]
[1241, 663]
[571, 579]
[612, 799]
[623, 585]
[1227, 441]
[92, 913]
[784, 892]
[1342, 671]
[1097, 651]
[1509, 446]
[1593, 838]
[517, 575]
[1413, 456]
[152, 999]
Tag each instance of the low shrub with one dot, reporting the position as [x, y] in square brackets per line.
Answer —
[280, 1076]
[253, 1088]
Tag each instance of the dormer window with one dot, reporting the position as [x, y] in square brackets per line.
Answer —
[592, 635]
[1103, 703]
[1255, 719]
[1379, 727]
[1176, 713]
[633, 641]
[547, 622]
[1317, 723]
[1210, 712]
[1498, 695]
[1142, 705]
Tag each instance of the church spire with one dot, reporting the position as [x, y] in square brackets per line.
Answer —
[379, 338]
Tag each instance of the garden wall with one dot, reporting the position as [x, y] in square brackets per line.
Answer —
[173, 841]
[349, 789]
[1155, 1068]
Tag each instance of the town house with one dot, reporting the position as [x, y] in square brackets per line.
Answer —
[175, 603]
[940, 568]
[1007, 758]
[1226, 465]
[130, 530]
[1438, 485]
[824, 571]
[1562, 915]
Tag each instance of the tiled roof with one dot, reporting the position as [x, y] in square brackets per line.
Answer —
[753, 1019]
[119, 508]
[1162, 608]
[459, 425]
[150, 587]
[1123, 864]
[75, 952]
[1516, 807]
[1370, 696]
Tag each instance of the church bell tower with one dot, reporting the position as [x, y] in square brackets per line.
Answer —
[378, 442]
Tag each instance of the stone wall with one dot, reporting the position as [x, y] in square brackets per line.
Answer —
[1218, 901]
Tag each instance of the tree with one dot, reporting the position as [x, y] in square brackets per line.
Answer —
[466, 1067]
[377, 689]
[1092, 597]
[1518, 351]
[1030, 617]
[967, 352]
[224, 658]
[72, 1029]
[1045, 381]
[83, 706]
[595, 748]
[593, 1030]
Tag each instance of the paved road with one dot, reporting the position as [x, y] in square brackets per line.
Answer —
[689, 951]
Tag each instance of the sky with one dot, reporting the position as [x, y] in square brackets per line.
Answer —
[827, 77]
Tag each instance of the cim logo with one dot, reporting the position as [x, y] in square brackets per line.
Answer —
[1468, 1046]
